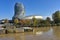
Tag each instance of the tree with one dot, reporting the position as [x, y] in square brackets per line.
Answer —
[43, 23]
[56, 17]
[6, 20]
[34, 21]
[16, 21]
[27, 22]
[48, 21]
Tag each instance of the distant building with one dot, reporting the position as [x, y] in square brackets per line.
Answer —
[31, 17]
[19, 11]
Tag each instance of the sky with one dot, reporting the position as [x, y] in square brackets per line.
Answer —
[43, 8]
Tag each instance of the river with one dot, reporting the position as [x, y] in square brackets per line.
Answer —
[42, 33]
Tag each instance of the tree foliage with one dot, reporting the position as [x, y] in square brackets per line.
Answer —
[34, 21]
[16, 21]
[6, 21]
[48, 19]
[56, 17]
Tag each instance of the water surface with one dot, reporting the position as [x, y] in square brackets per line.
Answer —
[42, 33]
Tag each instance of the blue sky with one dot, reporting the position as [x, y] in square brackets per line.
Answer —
[32, 7]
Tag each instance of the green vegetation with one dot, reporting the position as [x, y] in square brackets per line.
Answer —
[41, 23]
[56, 18]
[36, 22]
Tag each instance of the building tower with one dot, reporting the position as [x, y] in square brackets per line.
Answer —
[19, 11]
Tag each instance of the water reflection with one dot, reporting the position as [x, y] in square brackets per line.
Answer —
[41, 30]
[19, 36]
[39, 33]
[56, 31]
[42, 33]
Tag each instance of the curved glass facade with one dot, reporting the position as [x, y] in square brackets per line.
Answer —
[19, 11]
